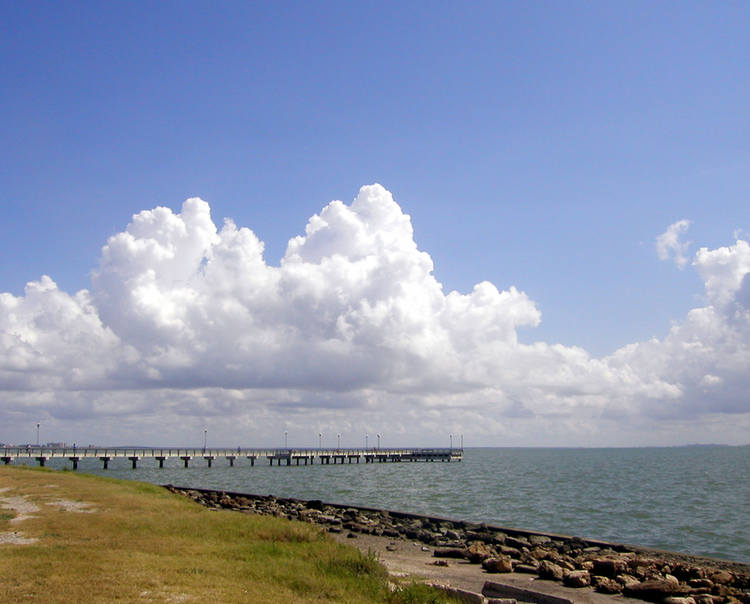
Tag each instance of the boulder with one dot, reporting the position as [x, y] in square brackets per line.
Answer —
[478, 551]
[449, 552]
[501, 564]
[566, 564]
[539, 539]
[655, 591]
[550, 570]
[485, 536]
[506, 550]
[605, 585]
[609, 567]
[723, 577]
[577, 578]
[517, 542]
[642, 567]
[540, 553]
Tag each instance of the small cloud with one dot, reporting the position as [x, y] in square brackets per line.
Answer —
[669, 246]
[709, 380]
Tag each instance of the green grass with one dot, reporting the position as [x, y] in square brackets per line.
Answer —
[144, 544]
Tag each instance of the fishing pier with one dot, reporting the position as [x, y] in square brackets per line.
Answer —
[286, 457]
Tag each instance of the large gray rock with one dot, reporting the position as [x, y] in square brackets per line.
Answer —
[655, 591]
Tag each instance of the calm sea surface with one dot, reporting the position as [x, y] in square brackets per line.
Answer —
[688, 499]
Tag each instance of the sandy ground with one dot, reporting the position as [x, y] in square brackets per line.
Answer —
[407, 558]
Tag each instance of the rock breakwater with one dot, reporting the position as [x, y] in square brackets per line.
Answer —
[610, 568]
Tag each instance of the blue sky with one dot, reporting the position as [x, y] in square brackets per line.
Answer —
[543, 146]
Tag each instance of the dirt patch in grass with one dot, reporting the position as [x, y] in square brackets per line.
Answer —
[80, 507]
[16, 538]
[20, 509]
[23, 508]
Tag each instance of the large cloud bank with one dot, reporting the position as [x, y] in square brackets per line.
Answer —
[186, 320]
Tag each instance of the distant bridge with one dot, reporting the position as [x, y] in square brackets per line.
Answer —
[286, 456]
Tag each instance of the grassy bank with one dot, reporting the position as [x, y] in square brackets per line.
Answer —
[104, 540]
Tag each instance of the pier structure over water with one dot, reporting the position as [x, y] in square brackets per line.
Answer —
[286, 457]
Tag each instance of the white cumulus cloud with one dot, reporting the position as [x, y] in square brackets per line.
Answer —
[186, 324]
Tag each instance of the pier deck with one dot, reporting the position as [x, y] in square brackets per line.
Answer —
[286, 457]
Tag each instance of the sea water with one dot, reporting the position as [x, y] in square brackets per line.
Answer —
[688, 499]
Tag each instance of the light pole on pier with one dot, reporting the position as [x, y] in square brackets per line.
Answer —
[365, 440]
[37, 434]
[320, 440]
[285, 435]
[205, 438]
[451, 437]
[338, 441]
[378, 441]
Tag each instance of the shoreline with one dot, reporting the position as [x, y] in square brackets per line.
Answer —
[600, 567]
